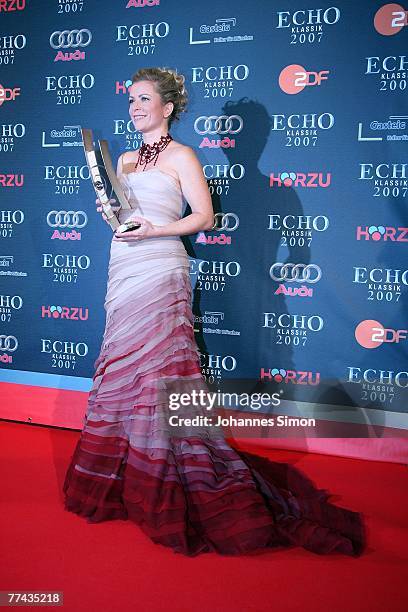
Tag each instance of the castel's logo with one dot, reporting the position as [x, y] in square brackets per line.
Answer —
[214, 366]
[392, 71]
[291, 273]
[66, 40]
[72, 313]
[297, 230]
[292, 377]
[68, 87]
[9, 133]
[142, 3]
[307, 26]
[221, 26]
[389, 180]
[11, 180]
[390, 19]
[9, 344]
[9, 305]
[378, 233]
[222, 125]
[219, 81]
[300, 179]
[294, 78]
[142, 38]
[371, 334]
[12, 5]
[8, 47]
[9, 94]
[292, 329]
[302, 130]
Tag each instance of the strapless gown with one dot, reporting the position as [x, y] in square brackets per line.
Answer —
[189, 490]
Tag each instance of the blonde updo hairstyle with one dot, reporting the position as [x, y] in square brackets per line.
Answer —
[169, 85]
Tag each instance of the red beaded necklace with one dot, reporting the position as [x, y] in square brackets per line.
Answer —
[148, 153]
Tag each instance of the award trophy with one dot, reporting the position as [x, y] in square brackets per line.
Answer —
[99, 183]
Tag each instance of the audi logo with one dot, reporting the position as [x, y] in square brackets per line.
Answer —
[70, 38]
[291, 272]
[67, 218]
[8, 343]
[223, 124]
[225, 222]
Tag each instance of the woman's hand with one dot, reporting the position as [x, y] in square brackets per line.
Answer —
[146, 230]
[100, 209]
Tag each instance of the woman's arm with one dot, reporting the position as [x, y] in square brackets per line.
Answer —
[195, 191]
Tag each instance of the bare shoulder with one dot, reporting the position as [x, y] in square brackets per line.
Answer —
[182, 154]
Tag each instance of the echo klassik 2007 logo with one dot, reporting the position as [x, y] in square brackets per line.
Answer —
[388, 180]
[297, 230]
[10, 45]
[142, 39]
[213, 275]
[382, 284]
[66, 268]
[69, 88]
[219, 81]
[66, 179]
[10, 134]
[390, 71]
[9, 306]
[64, 354]
[307, 26]
[220, 177]
[293, 329]
[302, 130]
[9, 220]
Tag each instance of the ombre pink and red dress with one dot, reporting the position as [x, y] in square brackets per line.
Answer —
[188, 490]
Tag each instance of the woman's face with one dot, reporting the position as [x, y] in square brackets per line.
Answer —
[146, 108]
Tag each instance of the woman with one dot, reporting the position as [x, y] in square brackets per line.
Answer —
[187, 489]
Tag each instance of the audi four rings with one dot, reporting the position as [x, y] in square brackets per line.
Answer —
[229, 222]
[299, 272]
[214, 124]
[68, 39]
[8, 343]
[67, 218]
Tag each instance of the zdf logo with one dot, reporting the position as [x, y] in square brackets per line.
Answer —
[222, 124]
[390, 19]
[294, 78]
[67, 218]
[7, 94]
[68, 39]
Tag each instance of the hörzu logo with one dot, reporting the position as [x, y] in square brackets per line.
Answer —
[371, 334]
[68, 44]
[221, 26]
[391, 70]
[12, 5]
[222, 125]
[68, 87]
[212, 318]
[395, 128]
[142, 38]
[383, 285]
[219, 81]
[66, 268]
[297, 230]
[66, 179]
[294, 78]
[213, 275]
[307, 26]
[9, 45]
[9, 344]
[300, 179]
[390, 19]
[292, 329]
[8, 220]
[132, 138]
[302, 130]
[214, 367]
[9, 305]
[220, 176]
[64, 354]
[9, 135]
[9, 94]
[11, 180]
[71, 313]
[378, 233]
[388, 180]
[380, 386]
[293, 377]
[291, 273]
[68, 136]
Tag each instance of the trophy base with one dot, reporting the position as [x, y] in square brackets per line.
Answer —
[128, 226]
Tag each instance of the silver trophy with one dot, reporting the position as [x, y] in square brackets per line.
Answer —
[99, 181]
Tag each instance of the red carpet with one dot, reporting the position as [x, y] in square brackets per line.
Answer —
[112, 566]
